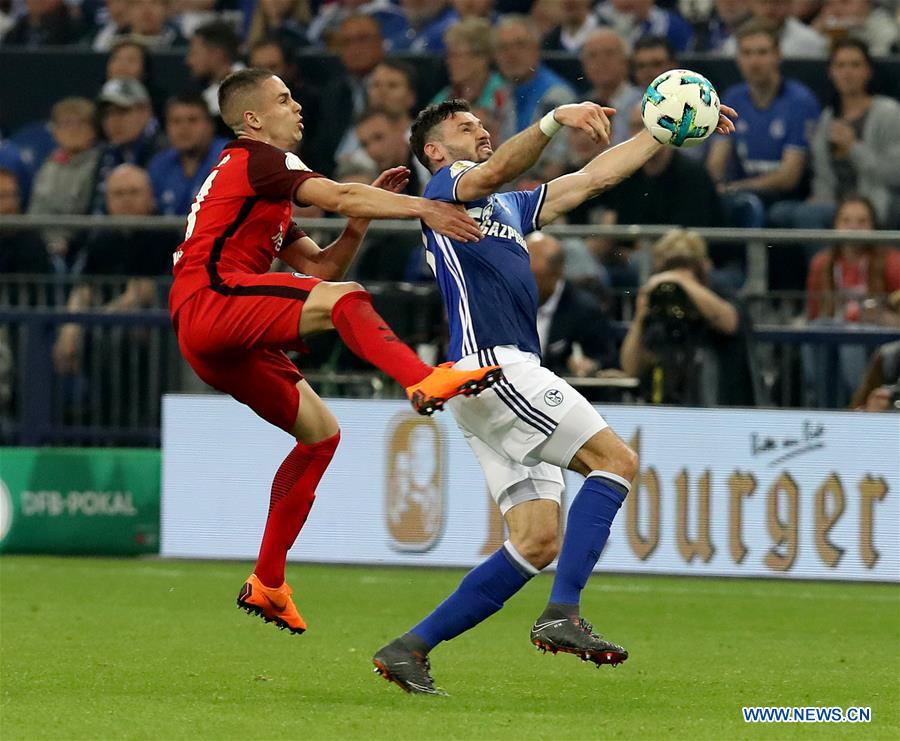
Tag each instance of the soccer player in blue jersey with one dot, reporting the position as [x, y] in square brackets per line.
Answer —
[532, 423]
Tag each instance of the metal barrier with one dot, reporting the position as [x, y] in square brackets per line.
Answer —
[130, 359]
[758, 242]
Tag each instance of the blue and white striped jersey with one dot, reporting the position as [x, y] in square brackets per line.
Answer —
[488, 288]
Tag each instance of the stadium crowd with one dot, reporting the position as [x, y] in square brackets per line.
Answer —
[796, 160]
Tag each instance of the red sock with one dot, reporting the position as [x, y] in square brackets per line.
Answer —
[370, 338]
[293, 493]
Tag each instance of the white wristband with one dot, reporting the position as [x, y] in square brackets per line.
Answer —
[549, 125]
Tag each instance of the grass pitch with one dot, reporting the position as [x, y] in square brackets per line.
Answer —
[138, 649]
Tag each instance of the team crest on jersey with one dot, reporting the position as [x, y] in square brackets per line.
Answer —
[553, 397]
[293, 162]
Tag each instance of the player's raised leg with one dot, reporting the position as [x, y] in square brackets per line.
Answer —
[609, 466]
[347, 307]
[266, 593]
[533, 544]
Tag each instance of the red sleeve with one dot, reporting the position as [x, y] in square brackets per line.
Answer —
[294, 233]
[274, 174]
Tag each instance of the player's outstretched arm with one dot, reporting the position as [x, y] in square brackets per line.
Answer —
[606, 170]
[518, 154]
[366, 202]
[333, 261]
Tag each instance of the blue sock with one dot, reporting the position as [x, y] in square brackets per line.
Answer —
[479, 595]
[587, 530]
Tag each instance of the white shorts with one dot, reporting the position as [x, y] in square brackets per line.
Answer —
[524, 429]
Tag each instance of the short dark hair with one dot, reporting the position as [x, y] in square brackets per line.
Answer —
[654, 42]
[221, 35]
[427, 119]
[758, 27]
[234, 85]
[192, 99]
[852, 43]
[403, 67]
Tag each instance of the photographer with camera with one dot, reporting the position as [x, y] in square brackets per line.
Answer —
[880, 389]
[687, 343]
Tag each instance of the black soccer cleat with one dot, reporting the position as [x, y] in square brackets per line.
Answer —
[575, 636]
[410, 670]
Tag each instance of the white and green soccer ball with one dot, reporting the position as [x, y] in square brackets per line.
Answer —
[680, 108]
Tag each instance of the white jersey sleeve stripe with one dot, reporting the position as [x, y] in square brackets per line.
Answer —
[449, 259]
[535, 225]
[469, 326]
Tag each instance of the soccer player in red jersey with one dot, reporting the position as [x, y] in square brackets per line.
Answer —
[234, 319]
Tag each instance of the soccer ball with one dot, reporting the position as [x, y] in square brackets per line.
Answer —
[680, 108]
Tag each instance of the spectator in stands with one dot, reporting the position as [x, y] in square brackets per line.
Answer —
[795, 39]
[577, 24]
[140, 255]
[468, 61]
[725, 17]
[213, 55]
[115, 24]
[635, 19]
[283, 21]
[360, 48]
[848, 284]
[855, 148]
[131, 131]
[274, 57]
[12, 161]
[533, 89]
[178, 172]
[650, 57]
[385, 139]
[766, 159]
[45, 23]
[392, 88]
[688, 342]
[861, 20]
[879, 390]
[572, 328]
[428, 21]
[851, 282]
[604, 59]
[21, 251]
[545, 14]
[129, 59]
[65, 181]
[324, 27]
[148, 21]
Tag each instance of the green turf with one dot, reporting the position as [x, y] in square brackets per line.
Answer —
[109, 649]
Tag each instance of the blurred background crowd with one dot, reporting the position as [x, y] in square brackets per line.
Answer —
[817, 147]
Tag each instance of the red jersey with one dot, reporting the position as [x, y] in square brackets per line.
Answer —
[240, 218]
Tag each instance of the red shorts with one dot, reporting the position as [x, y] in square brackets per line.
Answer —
[234, 338]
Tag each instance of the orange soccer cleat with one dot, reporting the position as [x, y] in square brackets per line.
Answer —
[443, 383]
[272, 605]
